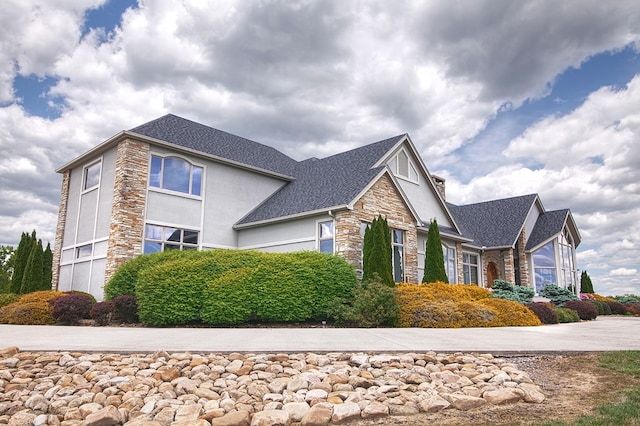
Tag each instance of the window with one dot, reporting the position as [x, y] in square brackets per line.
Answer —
[325, 234]
[544, 266]
[470, 268]
[160, 238]
[84, 251]
[397, 246]
[404, 167]
[449, 255]
[175, 174]
[91, 176]
[566, 260]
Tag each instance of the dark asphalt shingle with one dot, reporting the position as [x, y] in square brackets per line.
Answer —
[547, 226]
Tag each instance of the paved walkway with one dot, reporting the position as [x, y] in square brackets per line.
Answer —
[603, 334]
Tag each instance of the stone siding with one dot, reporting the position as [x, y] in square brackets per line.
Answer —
[525, 279]
[381, 199]
[129, 198]
[503, 260]
[62, 222]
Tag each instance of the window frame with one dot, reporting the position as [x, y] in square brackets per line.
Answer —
[160, 184]
[331, 237]
[449, 255]
[398, 248]
[467, 267]
[86, 174]
[84, 251]
[412, 173]
[163, 242]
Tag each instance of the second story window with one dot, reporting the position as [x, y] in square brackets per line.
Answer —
[91, 176]
[175, 174]
[325, 237]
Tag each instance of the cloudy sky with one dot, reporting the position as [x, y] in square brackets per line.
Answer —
[502, 98]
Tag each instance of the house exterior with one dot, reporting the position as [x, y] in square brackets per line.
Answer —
[173, 184]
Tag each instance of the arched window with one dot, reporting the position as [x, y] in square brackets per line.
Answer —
[175, 174]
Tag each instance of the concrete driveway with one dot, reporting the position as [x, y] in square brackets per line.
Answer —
[603, 334]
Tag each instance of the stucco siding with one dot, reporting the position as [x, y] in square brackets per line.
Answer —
[87, 217]
[73, 204]
[425, 202]
[173, 209]
[231, 193]
[300, 233]
[107, 178]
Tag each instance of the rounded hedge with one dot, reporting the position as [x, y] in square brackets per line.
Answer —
[586, 311]
[544, 312]
[222, 287]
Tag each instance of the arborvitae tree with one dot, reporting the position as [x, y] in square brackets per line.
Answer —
[586, 286]
[47, 268]
[6, 268]
[33, 273]
[20, 262]
[434, 259]
[377, 252]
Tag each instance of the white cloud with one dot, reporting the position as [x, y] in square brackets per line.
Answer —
[624, 272]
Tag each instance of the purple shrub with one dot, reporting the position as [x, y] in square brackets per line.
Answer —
[71, 308]
[126, 308]
[617, 308]
[586, 311]
[101, 313]
[545, 313]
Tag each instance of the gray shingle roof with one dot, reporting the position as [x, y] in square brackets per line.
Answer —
[324, 183]
[493, 223]
[189, 134]
[548, 225]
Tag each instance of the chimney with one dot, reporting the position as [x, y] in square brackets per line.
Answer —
[440, 185]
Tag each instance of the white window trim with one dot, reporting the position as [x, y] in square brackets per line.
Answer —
[171, 191]
[478, 266]
[410, 167]
[85, 169]
[318, 234]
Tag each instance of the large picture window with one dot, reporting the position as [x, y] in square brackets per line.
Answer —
[326, 237]
[397, 245]
[160, 238]
[470, 268]
[175, 174]
[544, 266]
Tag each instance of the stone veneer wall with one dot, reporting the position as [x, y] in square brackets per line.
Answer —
[382, 198]
[62, 221]
[503, 260]
[525, 279]
[127, 211]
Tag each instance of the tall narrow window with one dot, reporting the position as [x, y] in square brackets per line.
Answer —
[326, 237]
[566, 259]
[91, 176]
[544, 266]
[470, 268]
[175, 174]
[397, 245]
[449, 255]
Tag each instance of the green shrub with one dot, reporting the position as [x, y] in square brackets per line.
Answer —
[602, 307]
[71, 308]
[505, 290]
[558, 296]
[8, 298]
[234, 286]
[566, 315]
[125, 279]
[586, 311]
[544, 312]
[451, 314]
[371, 305]
[101, 313]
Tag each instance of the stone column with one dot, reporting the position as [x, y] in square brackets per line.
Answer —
[127, 210]
[62, 221]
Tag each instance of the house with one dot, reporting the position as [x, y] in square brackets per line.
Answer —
[173, 184]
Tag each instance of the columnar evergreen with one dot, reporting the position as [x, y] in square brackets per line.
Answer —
[32, 266]
[34, 272]
[434, 269]
[20, 261]
[376, 252]
[586, 286]
[47, 268]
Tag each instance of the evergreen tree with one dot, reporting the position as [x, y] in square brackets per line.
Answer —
[586, 286]
[6, 268]
[33, 273]
[434, 259]
[20, 259]
[47, 268]
[376, 252]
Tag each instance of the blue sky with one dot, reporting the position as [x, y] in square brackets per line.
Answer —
[501, 98]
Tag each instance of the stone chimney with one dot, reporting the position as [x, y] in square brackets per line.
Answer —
[440, 185]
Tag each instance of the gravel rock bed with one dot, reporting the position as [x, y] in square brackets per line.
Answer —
[102, 389]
